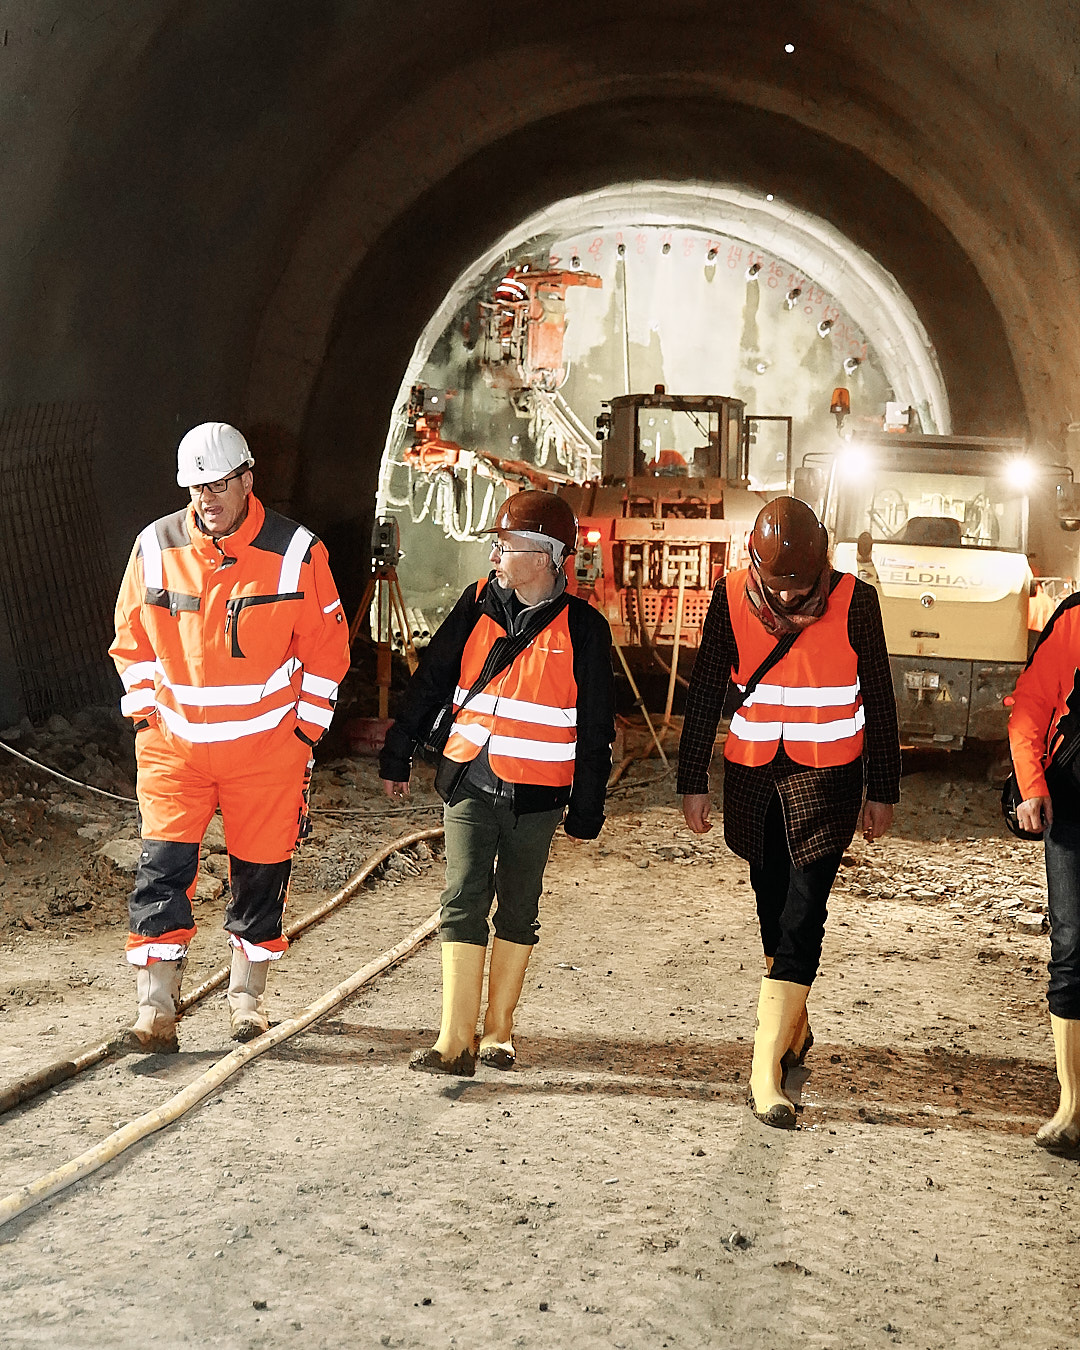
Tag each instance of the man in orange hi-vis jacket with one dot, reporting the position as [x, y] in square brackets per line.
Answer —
[230, 642]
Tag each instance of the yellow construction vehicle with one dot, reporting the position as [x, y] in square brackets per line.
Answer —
[958, 535]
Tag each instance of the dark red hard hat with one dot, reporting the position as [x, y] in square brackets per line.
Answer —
[536, 512]
[789, 545]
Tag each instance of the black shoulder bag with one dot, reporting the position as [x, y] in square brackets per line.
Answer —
[1010, 792]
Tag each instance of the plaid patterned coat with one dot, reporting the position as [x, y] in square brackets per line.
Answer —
[821, 806]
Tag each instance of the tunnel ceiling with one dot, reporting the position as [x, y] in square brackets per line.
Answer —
[251, 212]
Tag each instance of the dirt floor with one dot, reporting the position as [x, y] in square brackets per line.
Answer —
[611, 1191]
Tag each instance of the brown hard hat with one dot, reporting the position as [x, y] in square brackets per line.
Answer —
[789, 545]
[536, 512]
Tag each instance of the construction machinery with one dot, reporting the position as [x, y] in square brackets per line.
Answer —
[665, 491]
[947, 529]
[682, 480]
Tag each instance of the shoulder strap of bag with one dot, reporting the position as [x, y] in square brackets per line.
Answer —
[1067, 751]
[778, 653]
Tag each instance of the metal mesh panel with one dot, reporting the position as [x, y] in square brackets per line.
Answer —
[659, 614]
[56, 595]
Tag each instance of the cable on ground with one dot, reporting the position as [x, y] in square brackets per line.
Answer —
[33, 1085]
[45, 768]
[25, 1197]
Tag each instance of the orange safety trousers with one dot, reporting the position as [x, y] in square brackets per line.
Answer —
[258, 782]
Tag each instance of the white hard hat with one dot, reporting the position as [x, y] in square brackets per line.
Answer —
[210, 452]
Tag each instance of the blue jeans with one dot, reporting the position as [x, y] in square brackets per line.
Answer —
[792, 902]
[1063, 889]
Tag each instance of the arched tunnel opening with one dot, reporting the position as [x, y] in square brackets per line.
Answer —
[698, 289]
[888, 290]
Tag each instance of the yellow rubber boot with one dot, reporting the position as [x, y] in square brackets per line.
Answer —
[506, 975]
[1062, 1133]
[802, 1038]
[462, 986]
[780, 1005]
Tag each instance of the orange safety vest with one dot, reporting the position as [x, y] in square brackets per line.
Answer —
[527, 715]
[223, 639]
[810, 699]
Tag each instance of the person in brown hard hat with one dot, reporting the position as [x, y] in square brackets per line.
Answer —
[524, 672]
[814, 731]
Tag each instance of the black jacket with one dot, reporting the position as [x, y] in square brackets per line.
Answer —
[439, 673]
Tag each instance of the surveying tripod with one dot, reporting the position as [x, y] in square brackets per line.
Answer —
[383, 591]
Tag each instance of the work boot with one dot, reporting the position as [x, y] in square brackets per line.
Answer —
[506, 975]
[247, 989]
[462, 985]
[780, 1004]
[1062, 1133]
[158, 993]
[802, 1038]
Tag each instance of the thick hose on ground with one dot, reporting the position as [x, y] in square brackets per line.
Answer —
[62, 1069]
[120, 1140]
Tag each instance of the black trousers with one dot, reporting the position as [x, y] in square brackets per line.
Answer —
[791, 902]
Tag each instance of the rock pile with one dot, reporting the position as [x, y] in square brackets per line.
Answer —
[95, 746]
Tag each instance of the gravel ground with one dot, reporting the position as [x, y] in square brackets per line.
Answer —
[611, 1191]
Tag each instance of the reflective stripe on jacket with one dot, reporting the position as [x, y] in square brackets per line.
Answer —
[226, 638]
[810, 699]
[527, 715]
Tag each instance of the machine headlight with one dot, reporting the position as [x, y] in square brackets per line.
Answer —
[853, 464]
[1020, 474]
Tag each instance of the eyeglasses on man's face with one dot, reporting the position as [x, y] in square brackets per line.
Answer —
[216, 489]
[501, 549]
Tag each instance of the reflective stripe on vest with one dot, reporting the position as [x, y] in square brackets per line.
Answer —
[811, 699]
[527, 715]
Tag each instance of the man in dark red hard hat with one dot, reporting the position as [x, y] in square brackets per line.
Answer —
[524, 672]
[794, 759]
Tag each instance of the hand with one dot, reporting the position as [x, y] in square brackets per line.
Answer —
[876, 819]
[696, 807]
[1036, 814]
[575, 839]
[395, 789]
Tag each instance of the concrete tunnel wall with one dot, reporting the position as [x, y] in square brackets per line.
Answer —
[249, 212]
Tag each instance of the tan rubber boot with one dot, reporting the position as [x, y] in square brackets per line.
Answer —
[462, 985]
[247, 990]
[506, 975]
[1061, 1134]
[158, 994]
[802, 1038]
[780, 1004]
